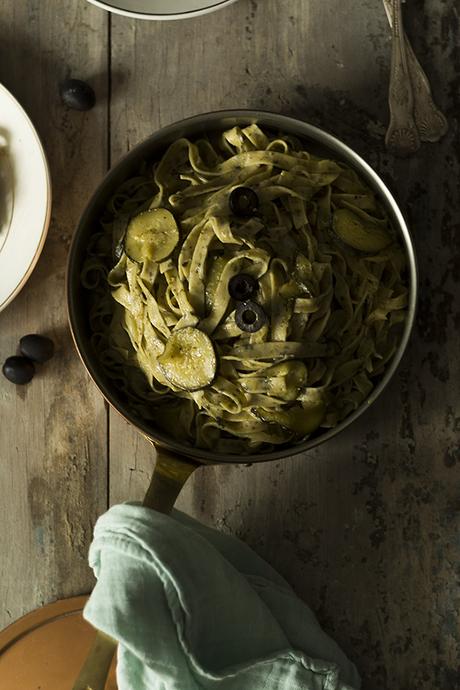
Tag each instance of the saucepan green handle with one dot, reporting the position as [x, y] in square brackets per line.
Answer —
[169, 476]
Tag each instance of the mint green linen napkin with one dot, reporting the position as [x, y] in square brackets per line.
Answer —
[194, 609]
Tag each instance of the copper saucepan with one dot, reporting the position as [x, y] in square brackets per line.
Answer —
[175, 460]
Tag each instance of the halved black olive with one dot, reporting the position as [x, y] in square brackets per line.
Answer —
[250, 317]
[242, 287]
[39, 348]
[18, 370]
[243, 201]
[77, 94]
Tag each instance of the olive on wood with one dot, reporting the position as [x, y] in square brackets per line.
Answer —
[36, 347]
[77, 94]
[19, 370]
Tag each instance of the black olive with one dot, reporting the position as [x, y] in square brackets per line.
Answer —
[77, 94]
[250, 317]
[18, 370]
[243, 201]
[242, 287]
[39, 348]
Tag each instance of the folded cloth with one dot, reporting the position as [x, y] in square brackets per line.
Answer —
[195, 609]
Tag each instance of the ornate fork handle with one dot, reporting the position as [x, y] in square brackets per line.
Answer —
[402, 135]
[430, 121]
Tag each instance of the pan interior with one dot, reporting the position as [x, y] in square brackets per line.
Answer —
[318, 142]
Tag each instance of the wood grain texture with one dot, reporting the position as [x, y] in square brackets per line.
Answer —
[364, 528]
[53, 434]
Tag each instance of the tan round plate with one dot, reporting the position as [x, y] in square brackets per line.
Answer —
[46, 648]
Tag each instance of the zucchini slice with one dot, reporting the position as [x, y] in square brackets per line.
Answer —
[152, 235]
[351, 230]
[119, 227]
[189, 359]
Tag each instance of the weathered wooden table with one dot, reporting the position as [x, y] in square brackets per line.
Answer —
[365, 527]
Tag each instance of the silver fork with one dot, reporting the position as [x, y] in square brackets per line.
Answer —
[402, 135]
[429, 120]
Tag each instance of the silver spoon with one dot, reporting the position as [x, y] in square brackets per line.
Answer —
[402, 137]
[430, 121]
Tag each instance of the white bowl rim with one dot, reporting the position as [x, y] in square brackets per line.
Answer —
[210, 6]
[27, 271]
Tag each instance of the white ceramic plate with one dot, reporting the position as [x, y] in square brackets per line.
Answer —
[161, 9]
[25, 197]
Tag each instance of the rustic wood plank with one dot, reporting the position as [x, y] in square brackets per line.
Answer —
[364, 527]
[53, 436]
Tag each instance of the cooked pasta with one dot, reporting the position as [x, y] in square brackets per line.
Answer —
[329, 275]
